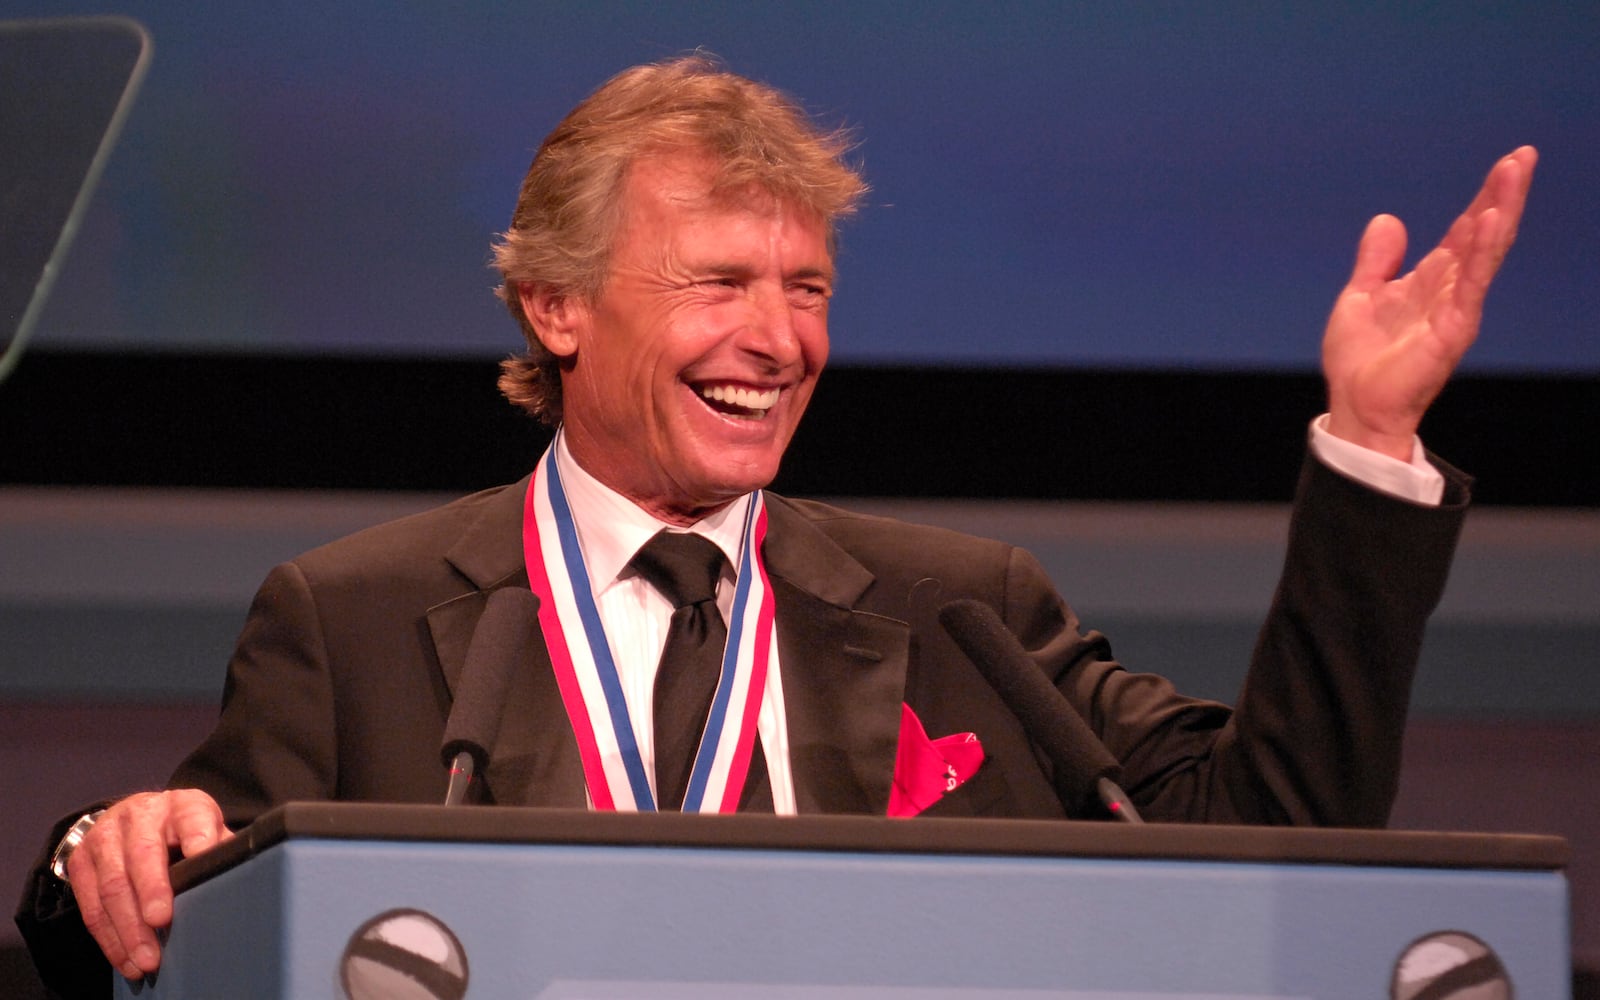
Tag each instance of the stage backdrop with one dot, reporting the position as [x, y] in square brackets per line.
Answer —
[1129, 185]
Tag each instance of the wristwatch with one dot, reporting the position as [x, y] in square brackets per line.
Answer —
[75, 834]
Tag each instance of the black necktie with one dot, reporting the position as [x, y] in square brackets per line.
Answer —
[685, 568]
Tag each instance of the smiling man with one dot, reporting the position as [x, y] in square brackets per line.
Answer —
[685, 377]
[704, 644]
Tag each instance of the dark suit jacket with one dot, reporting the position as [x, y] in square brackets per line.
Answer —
[342, 680]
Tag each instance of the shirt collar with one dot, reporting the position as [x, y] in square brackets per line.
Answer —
[611, 528]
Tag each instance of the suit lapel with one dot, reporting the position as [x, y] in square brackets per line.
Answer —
[843, 670]
[534, 760]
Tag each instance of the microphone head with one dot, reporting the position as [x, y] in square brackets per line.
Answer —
[508, 628]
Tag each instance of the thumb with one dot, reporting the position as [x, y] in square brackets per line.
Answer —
[1380, 253]
[194, 822]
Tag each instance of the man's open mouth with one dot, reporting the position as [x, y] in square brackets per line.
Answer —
[738, 401]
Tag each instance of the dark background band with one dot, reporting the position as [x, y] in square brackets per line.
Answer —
[219, 421]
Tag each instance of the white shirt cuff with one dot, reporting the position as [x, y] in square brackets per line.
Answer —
[1417, 480]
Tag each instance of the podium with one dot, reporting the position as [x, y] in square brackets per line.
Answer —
[334, 900]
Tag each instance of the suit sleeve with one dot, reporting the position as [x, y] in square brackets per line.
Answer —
[68, 960]
[276, 738]
[274, 742]
[1315, 736]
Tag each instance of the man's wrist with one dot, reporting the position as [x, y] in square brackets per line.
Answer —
[69, 843]
[1416, 480]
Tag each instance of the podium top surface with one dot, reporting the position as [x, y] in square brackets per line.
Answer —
[874, 835]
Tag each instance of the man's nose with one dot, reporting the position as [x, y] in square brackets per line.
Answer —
[770, 331]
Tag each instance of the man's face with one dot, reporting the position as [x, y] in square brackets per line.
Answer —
[686, 377]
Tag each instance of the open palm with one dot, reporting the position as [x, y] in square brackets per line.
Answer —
[1392, 342]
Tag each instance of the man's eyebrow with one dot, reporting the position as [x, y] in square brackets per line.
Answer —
[727, 268]
[816, 273]
[733, 269]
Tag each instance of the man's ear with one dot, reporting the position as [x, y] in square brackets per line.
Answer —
[556, 317]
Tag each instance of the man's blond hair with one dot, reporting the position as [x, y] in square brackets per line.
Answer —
[569, 209]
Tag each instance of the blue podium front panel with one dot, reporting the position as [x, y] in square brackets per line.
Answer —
[328, 918]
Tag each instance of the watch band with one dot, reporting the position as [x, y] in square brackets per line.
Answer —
[69, 843]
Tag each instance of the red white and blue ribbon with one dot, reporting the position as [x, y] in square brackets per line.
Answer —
[591, 689]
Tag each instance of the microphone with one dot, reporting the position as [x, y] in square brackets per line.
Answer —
[1086, 773]
[500, 644]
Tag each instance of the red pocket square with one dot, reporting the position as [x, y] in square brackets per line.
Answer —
[926, 770]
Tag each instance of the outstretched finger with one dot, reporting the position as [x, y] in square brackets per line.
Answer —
[1481, 261]
[1504, 189]
[1494, 233]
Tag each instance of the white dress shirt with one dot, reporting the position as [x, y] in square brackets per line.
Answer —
[1416, 480]
[611, 529]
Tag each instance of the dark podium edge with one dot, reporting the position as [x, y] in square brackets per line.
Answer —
[873, 835]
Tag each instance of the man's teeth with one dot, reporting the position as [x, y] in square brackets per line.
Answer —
[745, 399]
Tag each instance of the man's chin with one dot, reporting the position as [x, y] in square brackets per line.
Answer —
[730, 480]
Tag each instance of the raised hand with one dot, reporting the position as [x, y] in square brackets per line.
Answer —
[119, 873]
[1392, 342]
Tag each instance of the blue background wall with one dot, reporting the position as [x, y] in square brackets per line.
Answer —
[1140, 184]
